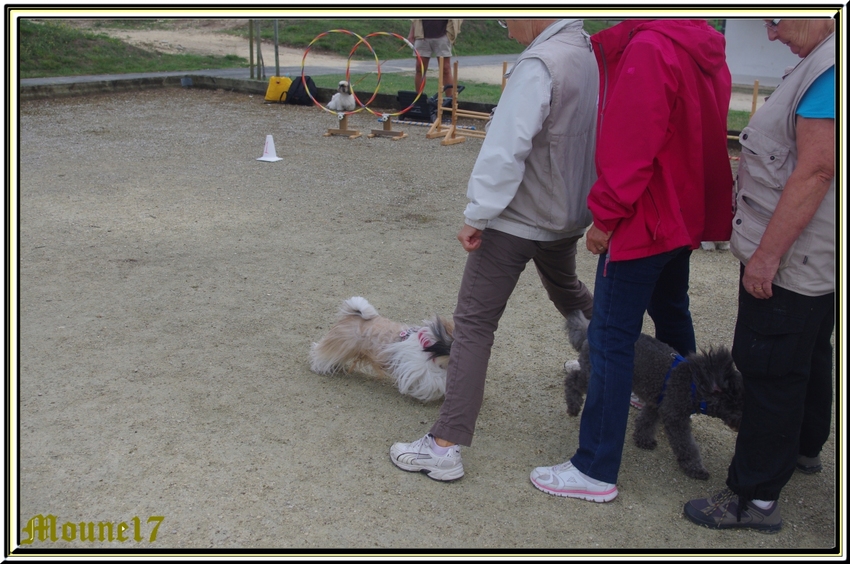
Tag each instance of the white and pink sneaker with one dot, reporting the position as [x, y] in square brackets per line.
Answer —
[565, 480]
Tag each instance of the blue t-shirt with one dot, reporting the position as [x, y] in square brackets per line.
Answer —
[819, 99]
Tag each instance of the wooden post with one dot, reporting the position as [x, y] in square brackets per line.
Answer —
[436, 129]
[387, 131]
[504, 72]
[451, 137]
[343, 129]
[755, 97]
[454, 134]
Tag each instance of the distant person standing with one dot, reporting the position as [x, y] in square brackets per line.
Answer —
[434, 38]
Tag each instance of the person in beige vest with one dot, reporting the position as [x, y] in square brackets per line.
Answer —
[434, 38]
[783, 233]
[527, 203]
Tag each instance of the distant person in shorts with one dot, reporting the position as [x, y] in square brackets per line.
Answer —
[434, 38]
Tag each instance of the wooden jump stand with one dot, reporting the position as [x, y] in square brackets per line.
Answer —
[754, 107]
[451, 134]
[437, 129]
[387, 130]
[343, 129]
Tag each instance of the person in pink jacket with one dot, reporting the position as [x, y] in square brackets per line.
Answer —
[664, 185]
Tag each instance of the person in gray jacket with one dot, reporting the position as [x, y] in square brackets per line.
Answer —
[527, 202]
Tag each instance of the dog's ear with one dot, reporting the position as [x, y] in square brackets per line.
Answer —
[734, 384]
[442, 339]
[448, 324]
[441, 329]
[730, 381]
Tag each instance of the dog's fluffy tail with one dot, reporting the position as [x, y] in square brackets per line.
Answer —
[577, 328]
[358, 306]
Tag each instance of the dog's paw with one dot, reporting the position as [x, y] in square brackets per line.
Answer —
[571, 366]
[575, 401]
[698, 473]
[646, 443]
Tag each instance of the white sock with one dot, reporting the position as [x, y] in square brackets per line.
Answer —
[439, 450]
[762, 504]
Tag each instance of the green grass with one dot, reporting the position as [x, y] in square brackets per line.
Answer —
[134, 24]
[56, 50]
[477, 37]
[737, 120]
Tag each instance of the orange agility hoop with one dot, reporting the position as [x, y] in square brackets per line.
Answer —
[347, 71]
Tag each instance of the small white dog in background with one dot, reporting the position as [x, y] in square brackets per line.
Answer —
[414, 357]
[343, 100]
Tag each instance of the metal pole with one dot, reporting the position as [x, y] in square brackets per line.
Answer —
[251, 46]
[276, 55]
[261, 65]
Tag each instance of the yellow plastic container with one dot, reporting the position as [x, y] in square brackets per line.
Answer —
[278, 87]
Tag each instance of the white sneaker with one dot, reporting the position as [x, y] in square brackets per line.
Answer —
[565, 480]
[571, 365]
[635, 401]
[419, 456]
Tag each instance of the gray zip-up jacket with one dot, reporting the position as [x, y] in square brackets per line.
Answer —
[536, 166]
[768, 157]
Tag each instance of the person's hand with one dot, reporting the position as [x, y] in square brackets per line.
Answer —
[758, 276]
[597, 240]
[469, 237]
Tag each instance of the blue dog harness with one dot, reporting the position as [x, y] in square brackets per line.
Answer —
[677, 360]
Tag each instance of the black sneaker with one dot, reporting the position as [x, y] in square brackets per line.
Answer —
[725, 510]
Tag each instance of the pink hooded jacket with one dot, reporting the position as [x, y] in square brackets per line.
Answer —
[664, 175]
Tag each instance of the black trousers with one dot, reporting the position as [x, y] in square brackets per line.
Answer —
[782, 347]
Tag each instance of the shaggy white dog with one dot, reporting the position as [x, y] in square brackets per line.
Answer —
[343, 99]
[414, 357]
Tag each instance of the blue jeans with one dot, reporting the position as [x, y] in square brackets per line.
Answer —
[624, 291]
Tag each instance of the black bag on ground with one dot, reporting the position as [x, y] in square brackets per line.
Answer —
[423, 110]
[297, 94]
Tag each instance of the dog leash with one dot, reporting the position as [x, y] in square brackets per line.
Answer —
[677, 360]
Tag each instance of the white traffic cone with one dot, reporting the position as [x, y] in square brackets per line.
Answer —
[269, 154]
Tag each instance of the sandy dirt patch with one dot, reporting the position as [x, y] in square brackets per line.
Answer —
[171, 286]
[203, 37]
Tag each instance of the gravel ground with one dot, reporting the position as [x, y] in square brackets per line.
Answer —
[171, 286]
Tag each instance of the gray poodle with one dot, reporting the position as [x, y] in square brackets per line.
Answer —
[705, 382]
